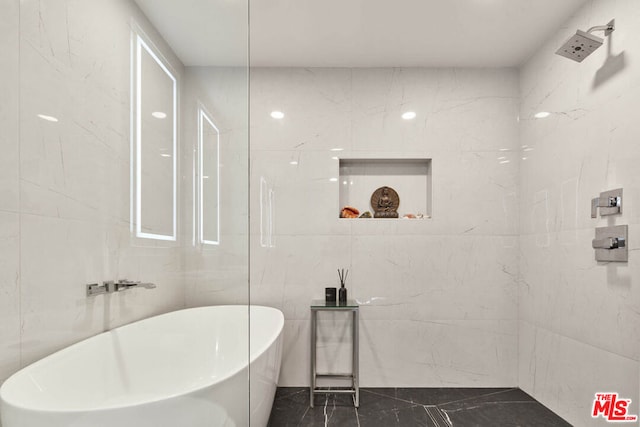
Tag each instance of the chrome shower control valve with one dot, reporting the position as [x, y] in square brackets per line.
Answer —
[610, 243]
[609, 203]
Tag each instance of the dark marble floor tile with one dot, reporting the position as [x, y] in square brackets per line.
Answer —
[491, 395]
[331, 411]
[288, 407]
[371, 401]
[505, 414]
[291, 408]
[415, 415]
[413, 407]
[441, 396]
[333, 399]
[431, 396]
[291, 392]
[506, 408]
[513, 395]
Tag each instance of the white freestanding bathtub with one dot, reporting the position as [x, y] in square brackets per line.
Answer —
[188, 368]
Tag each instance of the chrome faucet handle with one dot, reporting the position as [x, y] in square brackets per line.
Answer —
[96, 289]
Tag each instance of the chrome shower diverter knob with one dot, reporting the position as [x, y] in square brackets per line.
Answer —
[608, 243]
[609, 203]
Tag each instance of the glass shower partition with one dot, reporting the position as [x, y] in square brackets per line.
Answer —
[125, 156]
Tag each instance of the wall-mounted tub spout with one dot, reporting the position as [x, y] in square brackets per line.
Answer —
[125, 284]
[116, 286]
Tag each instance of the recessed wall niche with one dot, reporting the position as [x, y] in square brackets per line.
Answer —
[410, 178]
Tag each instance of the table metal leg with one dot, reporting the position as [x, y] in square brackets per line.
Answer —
[313, 356]
[356, 359]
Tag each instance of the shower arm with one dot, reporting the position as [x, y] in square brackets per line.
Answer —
[608, 29]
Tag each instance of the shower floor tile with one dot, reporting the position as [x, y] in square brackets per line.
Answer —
[413, 407]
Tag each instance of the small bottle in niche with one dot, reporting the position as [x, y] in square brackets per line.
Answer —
[342, 294]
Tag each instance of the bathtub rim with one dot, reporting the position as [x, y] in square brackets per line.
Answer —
[184, 392]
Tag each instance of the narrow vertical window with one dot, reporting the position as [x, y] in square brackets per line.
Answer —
[209, 179]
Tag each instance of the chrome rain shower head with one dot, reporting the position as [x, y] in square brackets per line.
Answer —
[583, 43]
[579, 46]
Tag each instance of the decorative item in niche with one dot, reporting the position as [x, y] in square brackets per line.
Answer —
[349, 212]
[385, 202]
[367, 214]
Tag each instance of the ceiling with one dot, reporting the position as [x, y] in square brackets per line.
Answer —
[358, 33]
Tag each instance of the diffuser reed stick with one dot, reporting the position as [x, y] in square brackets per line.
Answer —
[342, 292]
[342, 275]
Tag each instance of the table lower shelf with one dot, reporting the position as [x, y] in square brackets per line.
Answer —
[354, 390]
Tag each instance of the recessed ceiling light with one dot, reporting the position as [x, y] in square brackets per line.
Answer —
[165, 155]
[277, 115]
[337, 149]
[504, 162]
[159, 115]
[205, 176]
[333, 179]
[48, 118]
[293, 162]
[409, 115]
[542, 115]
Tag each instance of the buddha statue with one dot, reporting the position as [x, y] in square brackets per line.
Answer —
[385, 202]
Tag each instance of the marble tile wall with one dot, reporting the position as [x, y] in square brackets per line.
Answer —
[64, 186]
[439, 296]
[579, 320]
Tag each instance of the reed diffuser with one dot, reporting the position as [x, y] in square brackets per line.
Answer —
[342, 292]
